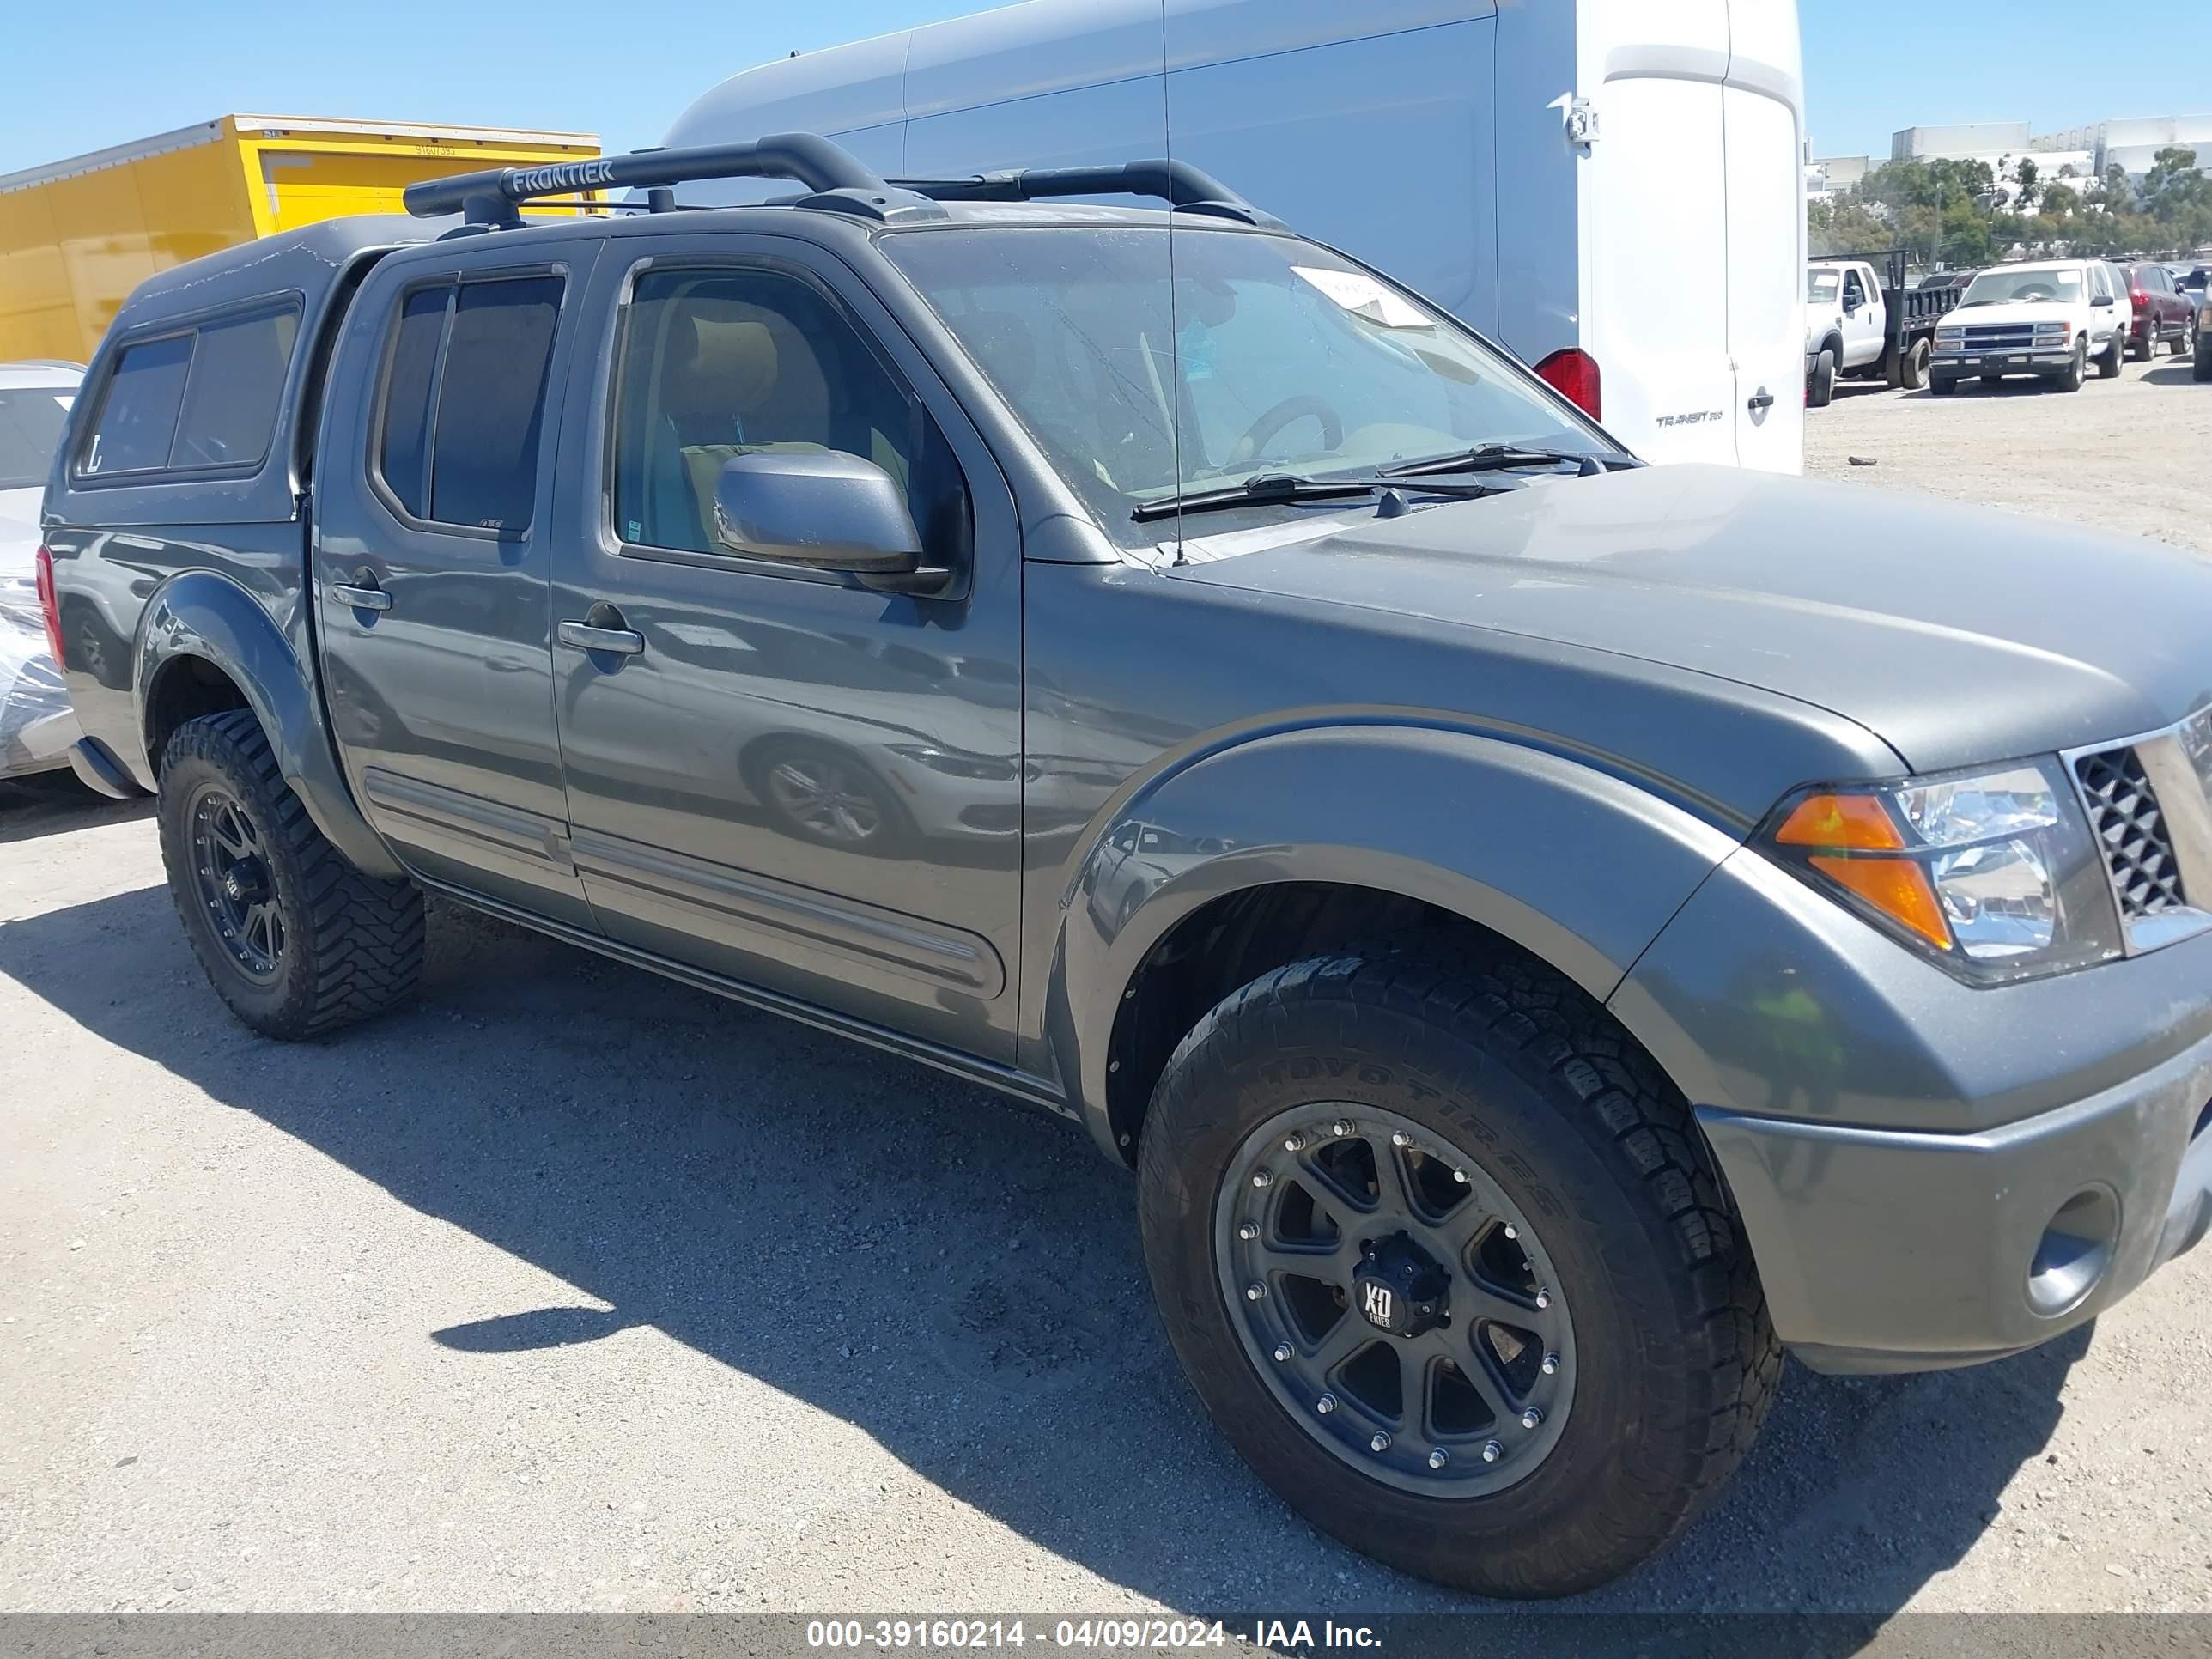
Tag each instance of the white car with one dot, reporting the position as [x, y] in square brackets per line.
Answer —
[1847, 325]
[36, 727]
[2051, 319]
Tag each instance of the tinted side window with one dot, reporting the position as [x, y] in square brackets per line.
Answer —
[721, 363]
[491, 402]
[404, 442]
[237, 380]
[138, 413]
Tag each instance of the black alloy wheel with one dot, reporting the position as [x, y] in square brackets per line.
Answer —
[1397, 1304]
[233, 882]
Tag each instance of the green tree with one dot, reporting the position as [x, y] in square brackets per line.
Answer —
[2029, 173]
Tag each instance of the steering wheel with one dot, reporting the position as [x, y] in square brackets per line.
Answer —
[1262, 431]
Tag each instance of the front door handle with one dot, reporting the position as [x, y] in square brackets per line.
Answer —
[364, 595]
[589, 636]
[1764, 400]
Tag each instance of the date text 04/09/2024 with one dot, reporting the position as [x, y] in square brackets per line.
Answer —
[1292, 1635]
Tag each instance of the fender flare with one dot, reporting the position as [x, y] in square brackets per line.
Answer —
[200, 614]
[1579, 866]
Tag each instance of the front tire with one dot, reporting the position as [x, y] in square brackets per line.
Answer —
[1820, 392]
[2077, 368]
[1586, 1181]
[294, 939]
[2108, 361]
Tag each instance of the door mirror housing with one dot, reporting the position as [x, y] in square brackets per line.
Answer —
[2103, 299]
[821, 508]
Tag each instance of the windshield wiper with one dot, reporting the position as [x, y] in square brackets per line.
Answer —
[1494, 458]
[1270, 489]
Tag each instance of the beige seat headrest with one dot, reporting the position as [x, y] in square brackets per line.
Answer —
[736, 359]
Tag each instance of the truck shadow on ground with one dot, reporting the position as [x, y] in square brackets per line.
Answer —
[958, 1279]
[51, 803]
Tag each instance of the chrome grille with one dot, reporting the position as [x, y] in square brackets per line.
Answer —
[2131, 832]
[2001, 337]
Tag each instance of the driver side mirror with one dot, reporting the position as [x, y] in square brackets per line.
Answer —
[2103, 299]
[821, 508]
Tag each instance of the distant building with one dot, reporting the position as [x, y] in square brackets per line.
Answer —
[1973, 141]
[2134, 145]
[1826, 175]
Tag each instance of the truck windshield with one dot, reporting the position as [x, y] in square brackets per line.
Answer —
[1265, 356]
[1998, 287]
[31, 420]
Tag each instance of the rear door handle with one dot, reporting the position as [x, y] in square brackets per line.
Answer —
[365, 595]
[615, 641]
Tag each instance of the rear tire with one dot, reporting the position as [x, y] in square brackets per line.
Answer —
[292, 937]
[2144, 350]
[1510, 1074]
[1820, 391]
[1912, 368]
[2203, 370]
[2184, 343]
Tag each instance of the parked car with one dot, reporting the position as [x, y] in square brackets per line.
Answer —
[1545, 931]
[36, 727]
[1578, 223]
[2164, 315]
[1862, 320]
[2204, 369]
[2051, 321]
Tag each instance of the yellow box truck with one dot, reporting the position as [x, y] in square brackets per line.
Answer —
[77, 236]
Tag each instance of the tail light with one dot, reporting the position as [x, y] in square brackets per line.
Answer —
[1573, 375]
[50, 607]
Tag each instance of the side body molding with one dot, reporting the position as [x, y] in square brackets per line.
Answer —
[1576, 865]
[201, 614]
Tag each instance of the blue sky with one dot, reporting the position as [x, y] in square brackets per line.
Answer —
[109, 71]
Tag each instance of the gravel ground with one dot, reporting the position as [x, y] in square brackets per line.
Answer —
[2132, 455]
[569, 1289]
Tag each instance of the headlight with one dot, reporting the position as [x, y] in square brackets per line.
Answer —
[1950, 337]
[2053, 333]
[1994, 873]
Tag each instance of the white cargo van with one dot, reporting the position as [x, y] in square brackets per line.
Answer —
[1612, 187]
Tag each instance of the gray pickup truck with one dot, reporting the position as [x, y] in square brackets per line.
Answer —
[1548, 933]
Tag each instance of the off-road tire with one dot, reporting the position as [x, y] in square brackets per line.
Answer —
[353, 945]
[1515, 1069]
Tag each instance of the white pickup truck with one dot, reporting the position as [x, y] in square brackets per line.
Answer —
[1862, 322]
[2052, 321]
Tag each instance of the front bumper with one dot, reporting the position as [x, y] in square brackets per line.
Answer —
[2032, 359]
[1930, 1173]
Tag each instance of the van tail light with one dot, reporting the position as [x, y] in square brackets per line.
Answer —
[50, 607]
[1573, 375]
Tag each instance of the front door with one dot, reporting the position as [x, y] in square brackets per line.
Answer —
[431, 574]
[781, 775]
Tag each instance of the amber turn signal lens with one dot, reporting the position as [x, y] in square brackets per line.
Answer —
[1857, 822]
[1899, 888]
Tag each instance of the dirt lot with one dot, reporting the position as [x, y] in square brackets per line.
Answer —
[570, 1288]
[2132, 455]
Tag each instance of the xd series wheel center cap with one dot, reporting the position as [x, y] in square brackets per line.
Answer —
[1398, 1288]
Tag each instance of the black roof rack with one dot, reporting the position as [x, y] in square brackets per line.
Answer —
[839, 182]
[1176, 183]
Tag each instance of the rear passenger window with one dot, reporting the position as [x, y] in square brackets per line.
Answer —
[231, 397]
[138, 415]
[204, 399]
[465, 401]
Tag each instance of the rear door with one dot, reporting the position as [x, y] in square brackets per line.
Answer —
[1761, 105]
[431, 572]
[1654, 226]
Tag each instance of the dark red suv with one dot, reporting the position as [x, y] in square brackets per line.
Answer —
[2163, 314]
